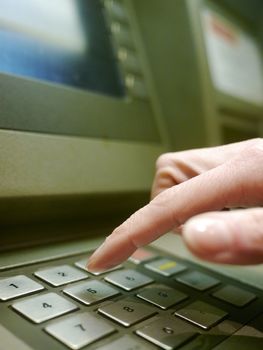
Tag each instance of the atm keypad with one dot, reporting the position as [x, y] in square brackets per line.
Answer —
[149, 302]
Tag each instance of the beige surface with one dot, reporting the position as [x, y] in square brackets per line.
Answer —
[34, 164]
[27, 256]
[10, 341]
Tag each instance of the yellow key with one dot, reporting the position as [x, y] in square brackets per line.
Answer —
[167, 265]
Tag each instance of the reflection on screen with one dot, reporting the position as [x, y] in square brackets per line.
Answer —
[62, 41]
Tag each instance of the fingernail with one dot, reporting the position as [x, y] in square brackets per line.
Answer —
[207, 233]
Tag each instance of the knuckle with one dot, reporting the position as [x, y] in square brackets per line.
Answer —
[164, 172]
[164, 160]
[132, 224]
[164, 203]
[165, 178]
[246, 174]
[125, 230]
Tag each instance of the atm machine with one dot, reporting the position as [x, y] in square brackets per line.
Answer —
[207, 61]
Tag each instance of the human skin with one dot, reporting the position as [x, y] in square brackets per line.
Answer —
[189, 191]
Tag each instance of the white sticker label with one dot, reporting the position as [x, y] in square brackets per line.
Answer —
[234, 58]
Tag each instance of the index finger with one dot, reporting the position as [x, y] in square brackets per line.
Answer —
[217, 188]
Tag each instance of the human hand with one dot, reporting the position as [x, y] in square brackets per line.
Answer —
[189, 189]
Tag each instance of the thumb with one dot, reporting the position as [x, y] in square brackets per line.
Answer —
[233, 237]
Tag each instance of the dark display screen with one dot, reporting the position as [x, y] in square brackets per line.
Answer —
[60, 41]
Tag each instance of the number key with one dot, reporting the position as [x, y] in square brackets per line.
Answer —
[167, 332]
[82, 264]
[162, 296]
[91, 292]
[59, 275]
[44, 307]
[17, 286]
[127, 311]
[79, 330]
[128, 279]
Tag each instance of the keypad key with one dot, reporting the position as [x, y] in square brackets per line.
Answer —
[128, 279]
[127, 311]
[167, 333]
[44, 307]
[197, 280]
[59, 275]
[202, 314]
[82, 264]
[79, 330]
[234, 295]
[165, 267]
[141, 255]
[162, 296]
[16, 286]
[126, 342]
[91, 292]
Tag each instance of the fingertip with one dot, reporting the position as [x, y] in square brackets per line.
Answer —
[115, 250]
[96, 267]
[99, 260]
[92, 266]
